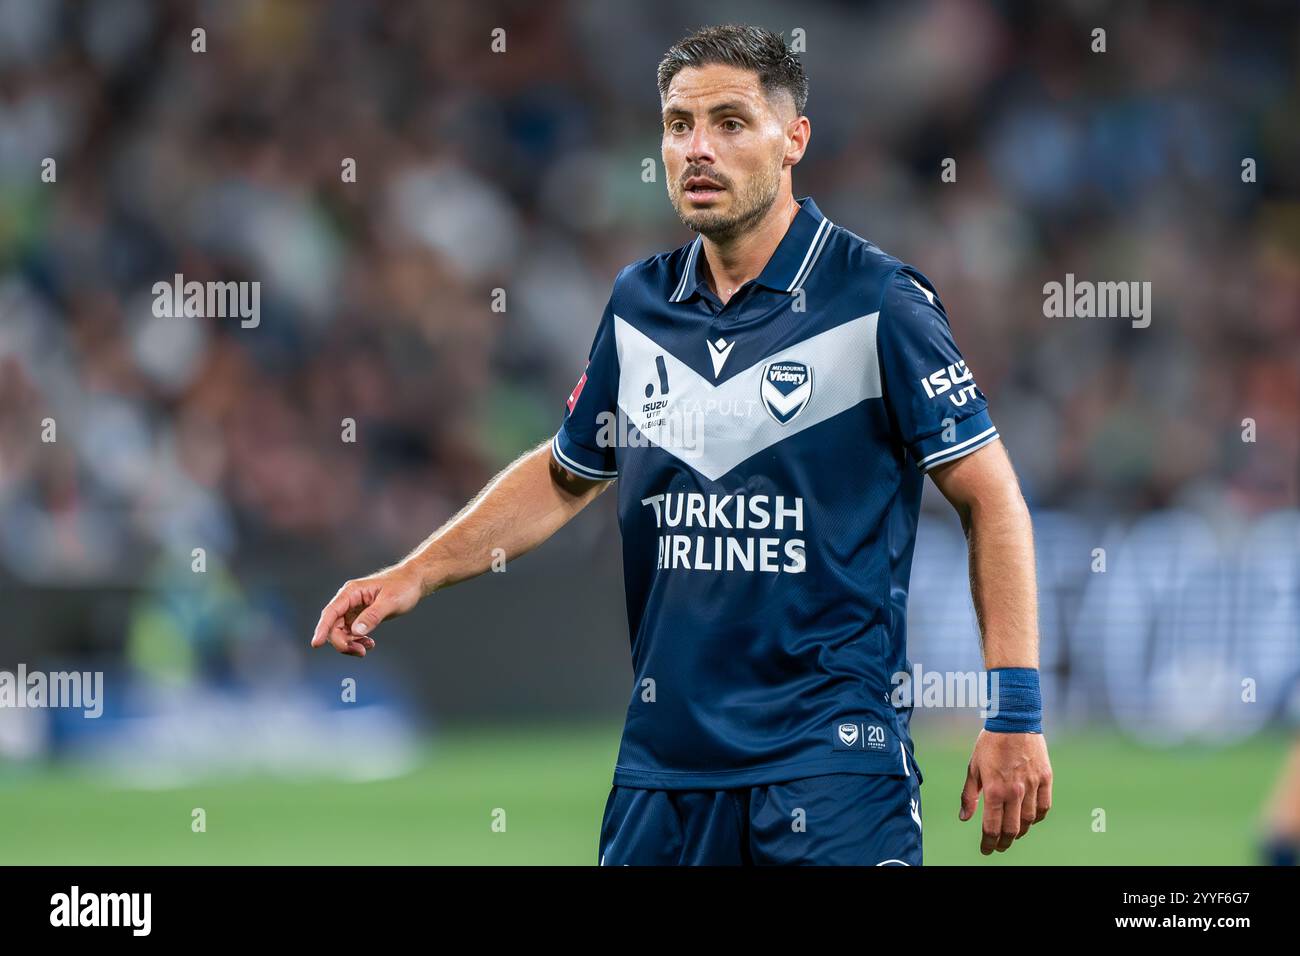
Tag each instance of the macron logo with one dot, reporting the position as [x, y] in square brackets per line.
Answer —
[718, 351]
[102, 909]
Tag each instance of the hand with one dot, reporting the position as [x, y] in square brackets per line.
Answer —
[1016, 777]
[360, 606]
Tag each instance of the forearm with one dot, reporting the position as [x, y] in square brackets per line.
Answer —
[1284, 806]
[515, 512]
[1002, 577]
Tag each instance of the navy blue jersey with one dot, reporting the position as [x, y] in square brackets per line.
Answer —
[769, 456]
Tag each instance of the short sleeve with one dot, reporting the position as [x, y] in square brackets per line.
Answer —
[584, 443]
[939, 412]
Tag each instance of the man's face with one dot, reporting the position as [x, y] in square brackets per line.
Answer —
[719, 126]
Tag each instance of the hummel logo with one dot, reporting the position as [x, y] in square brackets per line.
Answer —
[718, 351]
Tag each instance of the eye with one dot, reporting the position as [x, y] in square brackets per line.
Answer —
[732, 120]
[672, 127]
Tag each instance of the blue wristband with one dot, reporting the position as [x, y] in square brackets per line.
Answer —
[1015, 702]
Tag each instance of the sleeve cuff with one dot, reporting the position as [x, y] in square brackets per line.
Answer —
[579, 460]
[967, 435]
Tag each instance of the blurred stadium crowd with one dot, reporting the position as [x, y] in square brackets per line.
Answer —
[523, 171]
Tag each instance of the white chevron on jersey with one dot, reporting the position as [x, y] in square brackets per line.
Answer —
[928, 294]
[717, 426]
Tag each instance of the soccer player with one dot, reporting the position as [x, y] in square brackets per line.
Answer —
[769, 399]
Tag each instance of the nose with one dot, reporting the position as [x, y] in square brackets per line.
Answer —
[699, 149]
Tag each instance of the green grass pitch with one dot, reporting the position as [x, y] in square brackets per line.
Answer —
[1180, 806]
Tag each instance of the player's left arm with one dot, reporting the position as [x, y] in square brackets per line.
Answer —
[1010, 766]
[942, 419]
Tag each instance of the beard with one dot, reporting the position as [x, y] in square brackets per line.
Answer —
[749, 206]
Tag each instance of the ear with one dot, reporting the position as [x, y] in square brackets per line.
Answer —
[798, 131]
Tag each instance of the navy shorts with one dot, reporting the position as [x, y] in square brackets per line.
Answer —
[839, 819]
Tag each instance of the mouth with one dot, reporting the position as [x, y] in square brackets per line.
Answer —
[702, 190]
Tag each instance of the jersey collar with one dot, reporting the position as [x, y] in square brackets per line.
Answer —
[790, 264]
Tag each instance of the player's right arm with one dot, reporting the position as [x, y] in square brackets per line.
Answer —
[516, 511]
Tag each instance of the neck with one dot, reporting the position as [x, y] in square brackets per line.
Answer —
[734, 261]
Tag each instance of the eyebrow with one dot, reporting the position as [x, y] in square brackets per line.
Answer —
[733, 107]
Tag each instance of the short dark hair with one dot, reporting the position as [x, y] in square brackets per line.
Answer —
[751, 48]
